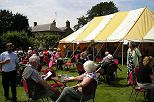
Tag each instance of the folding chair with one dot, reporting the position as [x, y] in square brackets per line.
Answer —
[69, 64]
[110, 72]
[90, 91]
[27, 91]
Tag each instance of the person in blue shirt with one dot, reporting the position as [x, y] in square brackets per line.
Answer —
[9, 62]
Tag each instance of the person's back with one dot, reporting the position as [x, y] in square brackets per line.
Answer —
[144, 72]
[38, 87]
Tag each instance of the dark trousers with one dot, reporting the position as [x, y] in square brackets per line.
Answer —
[9, 79]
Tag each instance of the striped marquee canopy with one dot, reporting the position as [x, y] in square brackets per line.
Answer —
[136, 25]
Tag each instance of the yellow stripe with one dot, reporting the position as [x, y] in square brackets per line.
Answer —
[142, 26]
[112, 26]
[93, 24]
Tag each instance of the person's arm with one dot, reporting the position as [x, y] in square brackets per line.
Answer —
[37, 78]
[44, 84]
[139, 56]
[84, 83]
[4, 62]
[77, 78]
[152, 77]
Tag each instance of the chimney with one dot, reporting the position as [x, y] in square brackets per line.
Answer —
[35, 24]
[68, 24]
[54, 23]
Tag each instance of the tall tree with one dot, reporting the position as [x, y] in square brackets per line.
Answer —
[101, 9]
[12, 22]
[5, 20]
[20, 22]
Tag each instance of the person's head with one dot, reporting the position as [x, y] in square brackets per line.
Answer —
[83, 55]
[131, 45]
[29, 48]
[106, 53]
[151, 61]
[50, 49]
[34, 61]
[89, 66]
[146, 60]
[9, 47]
[110, 57]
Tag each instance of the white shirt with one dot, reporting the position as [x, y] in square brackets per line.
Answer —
[11, 66]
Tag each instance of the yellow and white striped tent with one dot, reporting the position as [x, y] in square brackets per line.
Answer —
[136, 25]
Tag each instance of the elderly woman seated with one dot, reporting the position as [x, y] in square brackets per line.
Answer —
[71, 94]
[37, 87]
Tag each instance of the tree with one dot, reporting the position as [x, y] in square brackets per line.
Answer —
[12, 22]
[20, 23]
[19, 39]
[81, 21]
[5, 20]
[47, 40]
[101, 9]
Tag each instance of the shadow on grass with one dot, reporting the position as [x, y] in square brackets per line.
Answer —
[115, 83]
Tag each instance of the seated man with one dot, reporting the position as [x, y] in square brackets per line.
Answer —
[37, 86]
[106, 58]
[105, 63]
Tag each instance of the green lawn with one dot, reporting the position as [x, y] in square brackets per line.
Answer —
[116, 91]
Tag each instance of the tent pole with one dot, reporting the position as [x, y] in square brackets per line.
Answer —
[73, 49]
[93, 52]
[122, 54]
[142, 49]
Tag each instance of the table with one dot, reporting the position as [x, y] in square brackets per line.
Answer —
[58, 80]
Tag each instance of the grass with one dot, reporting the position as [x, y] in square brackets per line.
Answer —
[115, 91]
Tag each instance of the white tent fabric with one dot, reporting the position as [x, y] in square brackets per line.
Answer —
[73, 36]
[150, 36]
[125, 26]
[99, 28]
[136, 25]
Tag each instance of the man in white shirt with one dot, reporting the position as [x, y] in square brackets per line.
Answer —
[9, 62]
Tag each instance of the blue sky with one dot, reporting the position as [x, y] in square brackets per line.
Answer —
[45, 11]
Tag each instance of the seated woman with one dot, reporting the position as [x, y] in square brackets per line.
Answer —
[145, 75]
[71, 94]
[83, 57]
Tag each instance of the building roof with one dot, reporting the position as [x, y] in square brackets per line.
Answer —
[46, 27]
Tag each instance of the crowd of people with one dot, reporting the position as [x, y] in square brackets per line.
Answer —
[33, 58]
